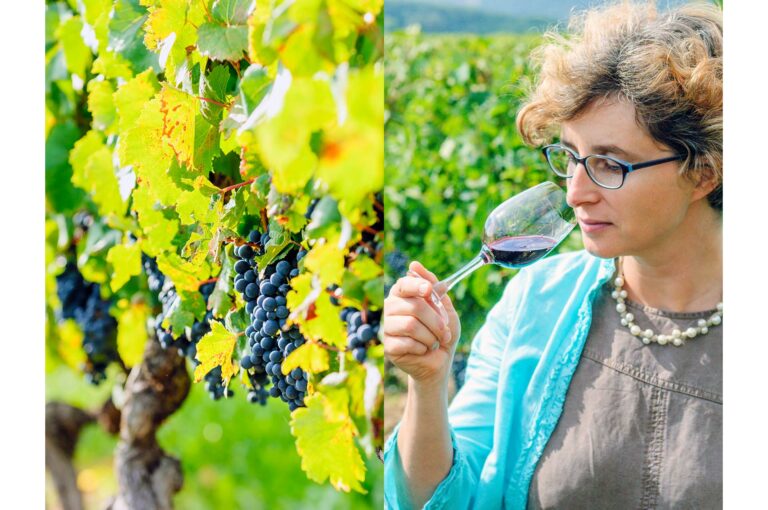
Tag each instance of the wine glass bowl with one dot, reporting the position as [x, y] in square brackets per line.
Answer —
[517, 233]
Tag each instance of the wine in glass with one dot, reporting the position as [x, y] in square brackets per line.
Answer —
[517, 233]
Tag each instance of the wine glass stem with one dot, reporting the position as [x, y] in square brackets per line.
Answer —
[441, 288]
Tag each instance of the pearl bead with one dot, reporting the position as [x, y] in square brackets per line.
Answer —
[619, 281]
[623, 322]
[719, 307]
[676, 333]
[621, 307]
[690, 332]
[646, 341]
[615, 294]
[623, 294]
[715, 319]
[704, 330]
[678, 342]
[662, 340]
[648, 333]
[702, 323]
[629, 317]
[635, 329]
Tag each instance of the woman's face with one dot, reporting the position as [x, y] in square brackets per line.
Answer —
[645, 215]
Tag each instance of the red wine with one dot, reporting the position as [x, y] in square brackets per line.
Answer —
[519, 251]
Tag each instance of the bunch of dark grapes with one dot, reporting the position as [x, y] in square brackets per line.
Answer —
[459, 368]
[269, 342]
[185, 342]
[81, 301]
[362, 330]
[214, 384]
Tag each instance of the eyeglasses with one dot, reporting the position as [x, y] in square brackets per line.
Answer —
[605, 171]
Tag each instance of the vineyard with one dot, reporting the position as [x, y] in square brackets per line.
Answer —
[452, 153]
[214, 277]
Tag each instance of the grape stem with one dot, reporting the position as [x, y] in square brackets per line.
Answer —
[209, 100]
[235, 186]
[209, 280]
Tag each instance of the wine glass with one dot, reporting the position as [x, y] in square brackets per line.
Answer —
[517, 233]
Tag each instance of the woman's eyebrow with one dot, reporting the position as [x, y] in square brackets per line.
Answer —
[603, 149]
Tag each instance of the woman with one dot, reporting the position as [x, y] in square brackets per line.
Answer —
[596, 381]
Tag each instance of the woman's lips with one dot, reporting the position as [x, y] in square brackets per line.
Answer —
[592, 226]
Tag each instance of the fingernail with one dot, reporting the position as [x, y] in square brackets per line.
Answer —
[447, 336]
[423, 288]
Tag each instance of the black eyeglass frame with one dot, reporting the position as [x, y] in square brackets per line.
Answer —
[625, 166]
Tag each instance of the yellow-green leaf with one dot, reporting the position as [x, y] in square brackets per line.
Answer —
[130, 98]
[215, 350]
[77, 56]
[326, 325]
[327, 261]
[101, 105]
[310, 357]
[93, 171]
[132, 333]
[70, 346]
[126, 262]
[325, 441]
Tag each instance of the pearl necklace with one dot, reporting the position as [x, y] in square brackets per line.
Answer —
[677, 337]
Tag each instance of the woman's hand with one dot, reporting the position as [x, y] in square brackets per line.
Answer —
[413, 325]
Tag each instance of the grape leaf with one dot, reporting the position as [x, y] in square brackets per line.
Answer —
[309, 356]
[178, 109]
[174, 23]
[157, 227]
[112, 66]
[325, 441]
[232, 12]
[101, 105]
[222, 42]
[60, 193]
[215, 349]
[182, 312]
[214, 86]
[93, 171]
[76, 54]
[327, 261]
[126, 36]
[126, 262]
[184, 274]
[356, 147]
[70, 346]
[132, 333]
[131, 96]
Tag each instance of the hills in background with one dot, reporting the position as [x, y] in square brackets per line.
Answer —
[485, 16]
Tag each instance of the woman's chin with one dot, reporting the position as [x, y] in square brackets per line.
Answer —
[600, 250]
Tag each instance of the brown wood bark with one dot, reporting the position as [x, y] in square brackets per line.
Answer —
[63, 424]
[148, 477]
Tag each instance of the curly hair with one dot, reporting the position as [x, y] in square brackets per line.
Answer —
[669, 65]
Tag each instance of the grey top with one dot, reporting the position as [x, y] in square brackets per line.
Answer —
[642, 425]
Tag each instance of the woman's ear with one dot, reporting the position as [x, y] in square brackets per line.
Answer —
[706, 180]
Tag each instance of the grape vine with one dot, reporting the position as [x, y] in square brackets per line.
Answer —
[198, 164]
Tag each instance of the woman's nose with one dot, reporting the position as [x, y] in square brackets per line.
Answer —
[581, 189]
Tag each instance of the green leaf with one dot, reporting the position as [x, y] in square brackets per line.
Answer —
[126, 36]
[232, 12]
[158, 227]
[76, 54]
[254, 86]
[101, 105]
[215, 350]
[222, 43]
[325, 217]
[126, 262]
[206, 145]
[327, 261]
[220, 302]
[60, 193]
[132, 333]
[183, 310]
[94, 172]
[309, 356]
[173, 23]
[214, 86]
[184, 274]
[131, 97]
[325, 441]
[237, 320]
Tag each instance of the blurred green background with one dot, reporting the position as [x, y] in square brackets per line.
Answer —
[234, 454]
[452, 154]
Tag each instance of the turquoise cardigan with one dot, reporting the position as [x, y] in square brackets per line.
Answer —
[518, 372]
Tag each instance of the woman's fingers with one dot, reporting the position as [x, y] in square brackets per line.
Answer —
[396, 346]
[417, 307]
[410, 327]
[422, 271]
